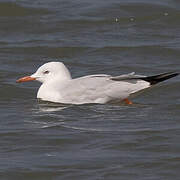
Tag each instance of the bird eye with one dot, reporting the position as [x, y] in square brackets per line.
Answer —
[46, 72]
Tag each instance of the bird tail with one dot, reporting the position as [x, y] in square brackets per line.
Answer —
[158, 78]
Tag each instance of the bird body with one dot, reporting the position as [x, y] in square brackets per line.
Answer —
[89, 89]
[58, 85]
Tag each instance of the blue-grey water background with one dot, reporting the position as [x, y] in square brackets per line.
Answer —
[43, 141]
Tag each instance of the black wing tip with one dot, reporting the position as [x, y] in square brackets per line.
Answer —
[160, 77]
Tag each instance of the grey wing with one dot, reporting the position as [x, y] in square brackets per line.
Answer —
[102, 88]
[87, 89]
[125, 77]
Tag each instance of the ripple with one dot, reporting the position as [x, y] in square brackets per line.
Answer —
[13, 9]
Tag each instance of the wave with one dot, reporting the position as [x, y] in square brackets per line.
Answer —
[14, 9]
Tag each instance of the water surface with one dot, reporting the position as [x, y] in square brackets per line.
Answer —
[45, 141]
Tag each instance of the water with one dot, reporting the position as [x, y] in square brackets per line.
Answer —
[46, 141]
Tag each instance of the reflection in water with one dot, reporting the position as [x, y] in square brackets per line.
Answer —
[51, 109]
[45, 106]
[92, 117]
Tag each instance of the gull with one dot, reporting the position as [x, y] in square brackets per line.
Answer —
[58, 86]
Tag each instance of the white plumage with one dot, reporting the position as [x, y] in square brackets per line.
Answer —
[58, 86]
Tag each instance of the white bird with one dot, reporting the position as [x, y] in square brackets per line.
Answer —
[58, 85]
